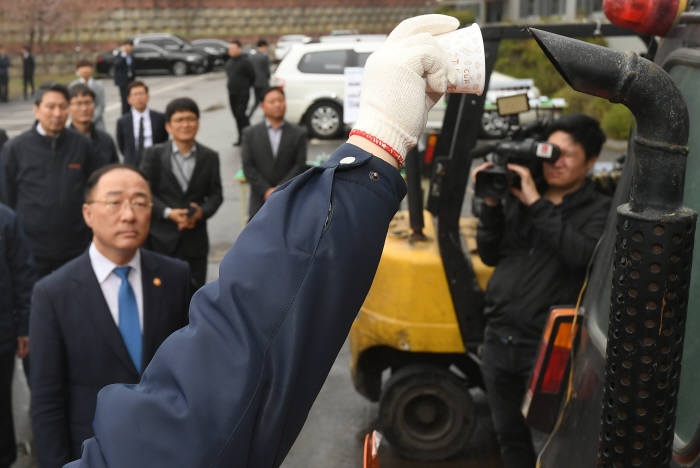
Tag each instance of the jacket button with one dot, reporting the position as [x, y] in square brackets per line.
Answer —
[347, 160]
[373, 176]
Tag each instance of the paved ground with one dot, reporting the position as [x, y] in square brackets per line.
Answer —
[332, 436]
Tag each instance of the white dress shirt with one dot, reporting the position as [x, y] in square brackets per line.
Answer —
[110, 282]
[147, 130]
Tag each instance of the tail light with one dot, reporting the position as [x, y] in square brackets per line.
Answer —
[430, 149]
[654, 17]
[546, 388]
[100, 59]
[277, 82]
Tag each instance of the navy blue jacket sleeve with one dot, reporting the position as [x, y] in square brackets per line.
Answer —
[23, 276]
[234, 387]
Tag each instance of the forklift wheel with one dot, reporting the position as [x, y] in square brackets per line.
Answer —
[426, 412]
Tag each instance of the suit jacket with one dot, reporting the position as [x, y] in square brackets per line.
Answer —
[123, 72]
[204, 189]
[261, 169]
[77, 348]
[233, 388]
[126, 140]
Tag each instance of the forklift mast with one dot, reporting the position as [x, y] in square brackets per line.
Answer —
[451, 170]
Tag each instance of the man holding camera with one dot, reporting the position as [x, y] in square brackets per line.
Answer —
[540, 239]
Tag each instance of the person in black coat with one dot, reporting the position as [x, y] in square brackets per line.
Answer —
[131, 140]
[28, 66]
[47, 198]
[261, 64]
[82, 107]
[240, 78]
[273, 151]
[100, 318]
[4, 74]
[124, 72]
[186, 184]
[17, 277]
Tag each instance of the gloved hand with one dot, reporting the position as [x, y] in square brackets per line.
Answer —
[402, 81]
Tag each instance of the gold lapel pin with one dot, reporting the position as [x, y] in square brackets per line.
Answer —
[157, 281]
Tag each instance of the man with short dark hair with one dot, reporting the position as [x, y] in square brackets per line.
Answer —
[84, 71]
[186, 184]
[240, 77]
[100, 318]
[261, 65]
[273, 151]
[81, 107]
[141, 127]
[28, 66]
[124, 72]
[44, 172]
[540, 239]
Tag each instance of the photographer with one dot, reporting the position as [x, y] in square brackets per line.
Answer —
[540, 239]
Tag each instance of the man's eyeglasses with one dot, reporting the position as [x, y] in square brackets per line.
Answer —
[138, 205]
[183, 120]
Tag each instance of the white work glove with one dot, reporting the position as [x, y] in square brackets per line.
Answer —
[403, 80]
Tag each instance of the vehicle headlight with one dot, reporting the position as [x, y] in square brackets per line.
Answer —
[192, 58]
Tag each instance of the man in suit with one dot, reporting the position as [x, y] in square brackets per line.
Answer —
[240, 76]
[124, 72]
[4, 74]
[141, 127]
[273, 151]
[100, 318]
[186, 184]
[261, 65]
[28, 66]
[81, 107]
[84, 71]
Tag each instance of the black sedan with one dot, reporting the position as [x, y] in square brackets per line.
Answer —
[215, 47]
[149, 58]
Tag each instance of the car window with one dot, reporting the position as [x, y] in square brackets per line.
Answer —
[327, 62]
[146, 48]
[687, 78]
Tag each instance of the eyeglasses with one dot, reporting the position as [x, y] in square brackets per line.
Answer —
[138, 205]
[87, 103]
[183, 120]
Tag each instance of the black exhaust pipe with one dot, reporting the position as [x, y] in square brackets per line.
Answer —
[653, 251]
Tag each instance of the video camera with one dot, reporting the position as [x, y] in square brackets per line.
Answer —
[496, 181]
[521, 148]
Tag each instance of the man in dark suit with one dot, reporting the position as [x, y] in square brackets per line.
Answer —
[124, 72]
[141, 127]
[240, 76]
[100, 318]
[186, 184]
[273, 151]
[28, 66]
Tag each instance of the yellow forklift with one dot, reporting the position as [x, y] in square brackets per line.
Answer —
[415, 343]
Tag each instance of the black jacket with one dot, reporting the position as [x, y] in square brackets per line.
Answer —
[104, 145]
[43, 180]
[127, 142]
[540, 253]
[123, 72]
[28, 66]
[240, 75]
[204, 189]
[16, 280]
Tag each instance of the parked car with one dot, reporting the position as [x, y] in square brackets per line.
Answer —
[285, 43]
[214, 47]
[149, 58]
[174, 43]
[312, 76]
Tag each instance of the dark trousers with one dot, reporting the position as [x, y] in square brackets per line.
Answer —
[506, 367]
[258, 90]
[123, 92]
[8, 446]
[27, 82]
[239, 103]
[198, 270]
[4, 87]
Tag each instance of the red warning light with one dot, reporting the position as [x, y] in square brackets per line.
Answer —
[653, 17]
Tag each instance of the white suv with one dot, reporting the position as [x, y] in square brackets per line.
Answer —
[312, 76]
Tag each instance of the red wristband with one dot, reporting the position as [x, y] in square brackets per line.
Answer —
[395, 154]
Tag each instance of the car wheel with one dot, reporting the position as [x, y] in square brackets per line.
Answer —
[179, 68]
[494, 126]
[325, 120]
[426, 412]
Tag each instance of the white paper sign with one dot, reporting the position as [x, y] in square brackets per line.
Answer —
[351, 102]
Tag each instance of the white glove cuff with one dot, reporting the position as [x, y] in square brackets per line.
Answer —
[390, 138]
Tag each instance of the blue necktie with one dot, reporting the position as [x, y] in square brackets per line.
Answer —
[129, 317]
